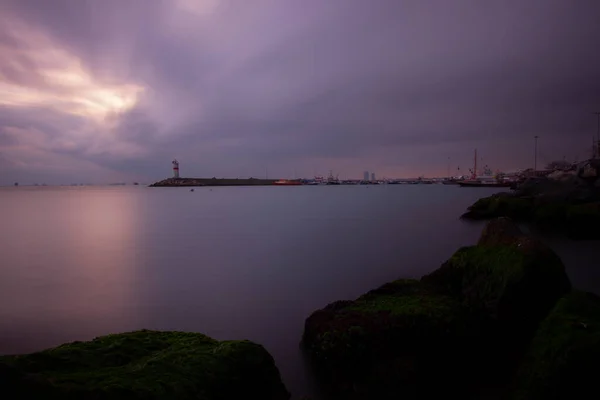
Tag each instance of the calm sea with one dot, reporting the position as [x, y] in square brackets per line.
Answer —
[231, 262]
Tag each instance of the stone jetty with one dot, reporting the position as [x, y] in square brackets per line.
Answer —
[187, 182]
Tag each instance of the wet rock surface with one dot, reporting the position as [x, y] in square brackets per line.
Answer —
[464, 327]
[564, 201]
[562, 360]
[147, 365]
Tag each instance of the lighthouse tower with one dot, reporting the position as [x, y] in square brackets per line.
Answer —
[175, 169]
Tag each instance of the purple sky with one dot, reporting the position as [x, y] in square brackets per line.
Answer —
[113, 90]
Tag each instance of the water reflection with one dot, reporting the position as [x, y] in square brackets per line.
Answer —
[233, 263]
[70, 270]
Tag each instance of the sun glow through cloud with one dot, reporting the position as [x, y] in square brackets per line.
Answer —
[61, 81]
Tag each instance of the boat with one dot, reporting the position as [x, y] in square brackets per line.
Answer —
[450, 182]
[487, 180]
[287, 182]
[483, 183]
[331, 180]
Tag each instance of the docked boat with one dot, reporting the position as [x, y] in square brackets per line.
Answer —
[450, 182]
[332, 180]
[485, 180]
[484, 183]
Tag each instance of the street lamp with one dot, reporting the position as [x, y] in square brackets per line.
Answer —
[535, 156]
[597, 146]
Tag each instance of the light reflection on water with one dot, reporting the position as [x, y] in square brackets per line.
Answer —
[69, 268]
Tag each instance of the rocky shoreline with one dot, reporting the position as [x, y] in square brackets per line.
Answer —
[498, 320]
[564, 201]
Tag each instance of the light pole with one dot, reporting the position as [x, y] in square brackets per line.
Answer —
[597, 147]
[535, 156]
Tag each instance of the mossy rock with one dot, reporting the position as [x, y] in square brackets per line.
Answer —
[500, 231]
[500, 205]
[562, 361]
[389, 340]
[512, 207]
[583, 221]
[575, 212]
[550, 214]
[145, 365]
[510, 277]
[516, 283]
[508, 282]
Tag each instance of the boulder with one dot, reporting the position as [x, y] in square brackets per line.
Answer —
[464, 326]
[552, 189]
[147, 365]
[589, 170]
[500, 231]
[583, 221]
[550, 214]
[534, 186]
[563, 175]
[565, 201]
[562, 360]
[500, 205]
[391, 340]
[511, 277]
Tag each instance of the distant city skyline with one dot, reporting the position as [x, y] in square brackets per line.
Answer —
[113, 91]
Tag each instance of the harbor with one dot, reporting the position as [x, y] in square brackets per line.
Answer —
[477, 178]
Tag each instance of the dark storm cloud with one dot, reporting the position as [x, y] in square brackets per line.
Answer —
[232, 86]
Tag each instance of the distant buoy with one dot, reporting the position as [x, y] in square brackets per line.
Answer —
[191, 190]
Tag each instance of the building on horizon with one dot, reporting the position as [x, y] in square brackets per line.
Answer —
[366, 176]
[373, 176]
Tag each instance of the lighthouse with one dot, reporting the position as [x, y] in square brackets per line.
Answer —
[175, 169]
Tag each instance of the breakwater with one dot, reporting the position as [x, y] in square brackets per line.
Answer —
[177, 182]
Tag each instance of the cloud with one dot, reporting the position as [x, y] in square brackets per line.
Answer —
[38, 73]
[231, 87]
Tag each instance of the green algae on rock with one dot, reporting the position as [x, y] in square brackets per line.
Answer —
[148, 365]
[464, 326]
[569, 206]
[396, 305]
[508, 276]
[387, 339]
[562, 361]
[500, 205]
